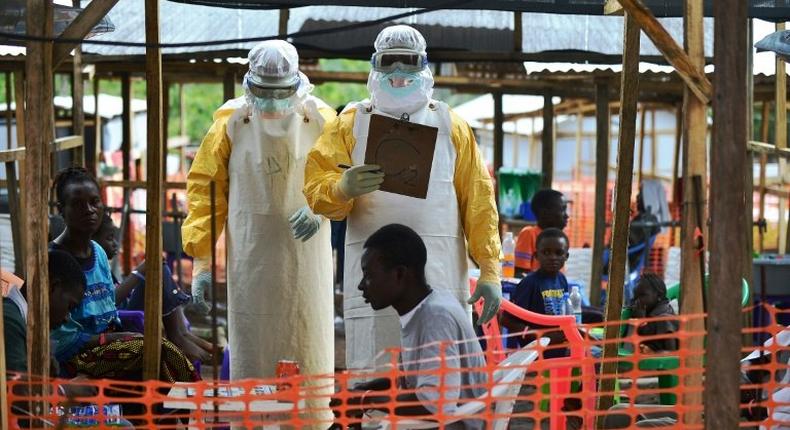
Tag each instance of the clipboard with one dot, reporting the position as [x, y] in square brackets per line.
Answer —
[404, 150]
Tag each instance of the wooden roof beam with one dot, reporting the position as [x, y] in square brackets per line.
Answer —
[767, 148]
[694, 77]
[79, 28]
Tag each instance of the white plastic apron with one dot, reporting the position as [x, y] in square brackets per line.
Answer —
[436, 219]
[279, 289]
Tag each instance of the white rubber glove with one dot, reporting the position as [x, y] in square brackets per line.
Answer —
[201, 282]
[359, 180]
[304, 224]
[491, 293]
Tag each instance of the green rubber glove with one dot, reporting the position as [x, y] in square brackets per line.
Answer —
[304, 224]
[491, 293]
[359, 180]
[201, 282]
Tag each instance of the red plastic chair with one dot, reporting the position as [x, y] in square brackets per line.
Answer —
[560, 369]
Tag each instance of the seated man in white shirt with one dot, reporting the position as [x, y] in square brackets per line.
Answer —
[434, 328]
[754, 371]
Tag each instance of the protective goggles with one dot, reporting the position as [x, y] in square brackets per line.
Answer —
[404, 60]
[271, 90]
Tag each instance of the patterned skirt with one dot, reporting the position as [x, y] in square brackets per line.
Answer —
[123, 360]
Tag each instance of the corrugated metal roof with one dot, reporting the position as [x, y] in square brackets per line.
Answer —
[12, 51]
[764, 62]
[598, 34]
[184, 23]
[461, 30]
[451, 30]
[764, 9]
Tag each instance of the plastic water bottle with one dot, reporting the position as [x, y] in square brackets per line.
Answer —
[509, 249]
[566, 304]
[576, 303]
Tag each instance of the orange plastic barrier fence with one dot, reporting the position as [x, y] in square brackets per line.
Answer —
[437, 389]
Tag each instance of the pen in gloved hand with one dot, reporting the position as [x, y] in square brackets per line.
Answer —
[346, 167]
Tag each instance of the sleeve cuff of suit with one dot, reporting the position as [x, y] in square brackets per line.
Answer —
[489, 273]
[338, 195]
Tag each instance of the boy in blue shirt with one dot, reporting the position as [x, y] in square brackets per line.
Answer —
[542, 291]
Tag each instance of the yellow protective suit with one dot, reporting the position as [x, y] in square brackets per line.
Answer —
[458, 210]
[279, 289]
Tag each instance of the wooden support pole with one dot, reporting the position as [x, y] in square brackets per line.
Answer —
[282, 29]
[518, 32]
[15, 210]
[764, 117]
[780, 136]
[728, 247]
[19, 96]
[577, 169]
[695, 128]
[19, 114]
[154, 205]
[126, 150]
[3, 385]
[629, 90]
[642, 117]
[165, 131]
[77, 105]
[228, 85]
[80, 27]
[8, 112]
[97, 130]
[182, 115]
[39, 133]
[499, 133]
[601, 186]
[692, 75]
[653, 143]
[678, 151]
[547, 152]
[748, 177]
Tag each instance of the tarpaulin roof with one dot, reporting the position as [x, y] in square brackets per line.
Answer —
[771, 10]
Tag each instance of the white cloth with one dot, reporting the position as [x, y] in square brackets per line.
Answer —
[405, 318]
[781, 414]
[279, 289]
[436, 219]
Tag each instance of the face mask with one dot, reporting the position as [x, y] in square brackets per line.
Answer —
[400, 92]
[400, 84]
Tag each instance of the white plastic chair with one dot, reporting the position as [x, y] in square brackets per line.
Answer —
[507, 383]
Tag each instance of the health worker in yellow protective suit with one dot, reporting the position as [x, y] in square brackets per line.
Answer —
[459, 206]
[279, 255]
